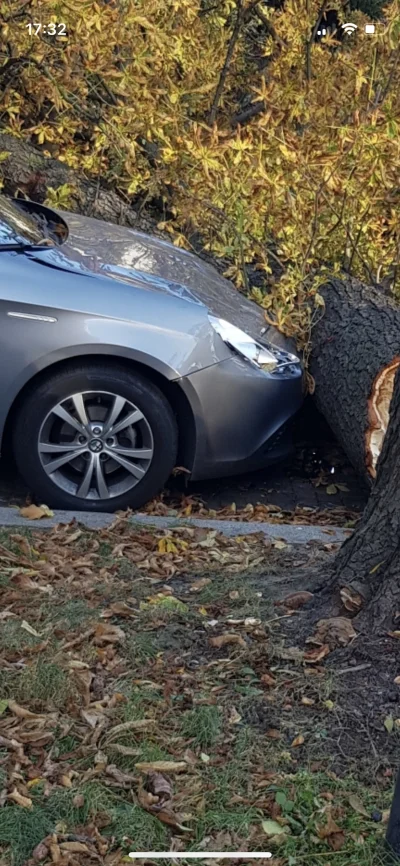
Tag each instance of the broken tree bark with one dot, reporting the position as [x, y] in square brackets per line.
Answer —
[369, 561]
[355, 355]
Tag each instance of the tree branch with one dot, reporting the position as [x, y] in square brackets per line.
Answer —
[312, 39]
[225, 69]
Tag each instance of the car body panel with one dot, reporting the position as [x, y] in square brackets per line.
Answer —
[251, 408]
[108, 290]
[183, 343]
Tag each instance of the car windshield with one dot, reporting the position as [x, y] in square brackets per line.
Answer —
[17, 226]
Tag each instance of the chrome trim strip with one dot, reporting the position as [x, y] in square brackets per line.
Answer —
[31, 316]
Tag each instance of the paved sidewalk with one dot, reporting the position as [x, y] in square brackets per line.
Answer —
[292, 534]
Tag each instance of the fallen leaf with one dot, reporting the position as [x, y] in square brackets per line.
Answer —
[40, 852]
[234, 717]
[25, 625]
[106, 633]
[119, 608]
[19, 799]
[279, 544]
[75, 847]
[225, 639]
[36, 512]
[298, 741]
[308, 702]
[268, 680]
[396, 680]
[159, 786]
[336, 631]
[22, 712]
[389, 723]
[133, 725]
[272, 828]
[329, 828]
[314, 656]
[198, 585]
[351, 599]
[273, 734]
[296, 599]
[331, 489]
[161, 766]
[357, 805]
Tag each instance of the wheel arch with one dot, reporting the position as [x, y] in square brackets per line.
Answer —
[175, 395]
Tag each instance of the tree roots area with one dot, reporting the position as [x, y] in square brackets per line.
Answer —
[181, 690]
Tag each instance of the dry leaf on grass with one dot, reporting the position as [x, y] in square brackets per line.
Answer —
[332, 834]
[119, 608]
[272, 828]
[298, 741]
[106, 633]
[22, 712]
[40, 852]
[226, 639]
[159, 786]
[162, 766]
[19, 799]
[357, 805]
[133, 725]
[198, 585]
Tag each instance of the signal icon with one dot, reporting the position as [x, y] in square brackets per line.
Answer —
[349, 28]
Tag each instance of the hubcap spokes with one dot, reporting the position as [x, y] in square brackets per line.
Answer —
[95, 445]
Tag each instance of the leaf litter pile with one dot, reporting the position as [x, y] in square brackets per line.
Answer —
[149, 700]
[179, 505]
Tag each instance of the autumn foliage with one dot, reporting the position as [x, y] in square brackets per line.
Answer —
[275, 151]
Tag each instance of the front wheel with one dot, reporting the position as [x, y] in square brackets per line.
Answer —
[95, 438]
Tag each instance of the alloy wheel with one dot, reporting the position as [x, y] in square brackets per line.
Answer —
[95, 445]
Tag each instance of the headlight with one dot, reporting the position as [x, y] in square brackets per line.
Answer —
[267, 358]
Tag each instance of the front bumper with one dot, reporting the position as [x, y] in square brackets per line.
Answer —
[241, 415]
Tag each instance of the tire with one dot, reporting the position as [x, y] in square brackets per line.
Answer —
[99, 389]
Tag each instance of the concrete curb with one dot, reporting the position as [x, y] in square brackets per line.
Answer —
[292, 533]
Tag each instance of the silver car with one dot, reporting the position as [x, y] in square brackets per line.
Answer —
[113, 370]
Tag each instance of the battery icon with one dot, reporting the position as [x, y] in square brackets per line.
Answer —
[370, 28]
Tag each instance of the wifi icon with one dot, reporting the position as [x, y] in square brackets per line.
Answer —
[349, 28]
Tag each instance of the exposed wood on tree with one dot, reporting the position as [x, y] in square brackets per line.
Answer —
[369, 561]
[356, 349]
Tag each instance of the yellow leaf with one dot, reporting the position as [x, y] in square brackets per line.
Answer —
[36, 512]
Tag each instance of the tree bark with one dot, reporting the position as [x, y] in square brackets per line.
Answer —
[355, 354]
[369, 561]
[28, 171]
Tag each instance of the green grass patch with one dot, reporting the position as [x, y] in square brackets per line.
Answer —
[203, 725]
[44, 685]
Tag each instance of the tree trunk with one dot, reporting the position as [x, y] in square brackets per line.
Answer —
[26, 170]
[355, 354]
[370, 560]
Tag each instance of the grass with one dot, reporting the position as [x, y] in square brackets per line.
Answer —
[202, 725]
[45, 684]
[22, 829]
[206, 706]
